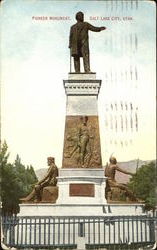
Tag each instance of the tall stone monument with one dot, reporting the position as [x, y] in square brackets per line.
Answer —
[81, 179]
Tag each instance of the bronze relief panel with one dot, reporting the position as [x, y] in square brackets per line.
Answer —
[82, 142]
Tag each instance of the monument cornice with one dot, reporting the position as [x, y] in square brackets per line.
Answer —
[82, 87]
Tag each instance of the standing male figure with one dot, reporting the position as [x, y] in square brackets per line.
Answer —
[78, 42]
[82, 145]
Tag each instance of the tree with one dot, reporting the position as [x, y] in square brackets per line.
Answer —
[143, 184]
[9, 184]
[25, 175]
[16, 181]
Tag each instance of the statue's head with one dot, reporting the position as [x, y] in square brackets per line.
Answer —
[84, 119]
[113, 160]
[50, 160]
[79, 16]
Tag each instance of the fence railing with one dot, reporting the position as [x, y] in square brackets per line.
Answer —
[66, 232]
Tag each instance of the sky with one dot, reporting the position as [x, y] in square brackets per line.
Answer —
[35, 60]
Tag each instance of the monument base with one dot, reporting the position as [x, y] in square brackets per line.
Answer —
[49, 209]
[81, 192]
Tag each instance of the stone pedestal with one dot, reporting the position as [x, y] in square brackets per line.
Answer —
[50, 194]
[81, 138]
[81, 186]
[81, 179]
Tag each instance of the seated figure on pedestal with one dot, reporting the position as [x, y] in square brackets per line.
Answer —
[112, 184]
[49, 180]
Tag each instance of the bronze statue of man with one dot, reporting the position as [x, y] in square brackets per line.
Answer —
[49, 180]
[110, 172]
[78, 42]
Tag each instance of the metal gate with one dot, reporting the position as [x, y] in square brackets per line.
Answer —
[68, 232]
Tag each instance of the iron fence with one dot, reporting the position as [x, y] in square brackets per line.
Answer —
[68, 232]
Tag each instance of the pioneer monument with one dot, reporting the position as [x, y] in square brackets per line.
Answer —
[78, 187]
[76, 206]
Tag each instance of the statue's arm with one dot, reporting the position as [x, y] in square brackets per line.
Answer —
[123, 171]
[95, 29]
[45, 178]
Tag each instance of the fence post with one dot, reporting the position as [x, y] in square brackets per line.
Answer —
[152, 229]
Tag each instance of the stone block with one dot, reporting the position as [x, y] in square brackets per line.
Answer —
[50, 194]
[82, 76]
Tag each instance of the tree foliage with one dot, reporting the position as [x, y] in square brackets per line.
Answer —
[16, 181]
[143, 184]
